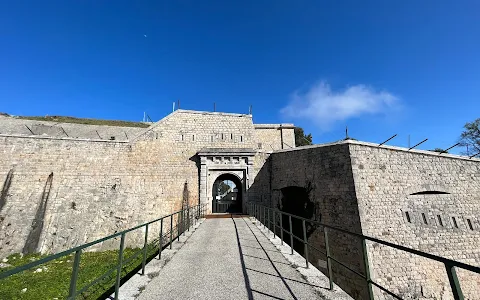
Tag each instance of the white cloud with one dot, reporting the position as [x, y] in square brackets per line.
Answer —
[323, 106]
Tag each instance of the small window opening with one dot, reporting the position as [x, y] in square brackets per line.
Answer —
[424, 219]
[211, 138]
[193, 137]
[222, 136]
[182, 137]
[470, 224]
[156, 135]
[440, 220]
[454, 222]
[241, 138]
[231, 136]
[430, 193]
[408, 217]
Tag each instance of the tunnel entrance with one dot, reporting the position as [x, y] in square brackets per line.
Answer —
[227, 194]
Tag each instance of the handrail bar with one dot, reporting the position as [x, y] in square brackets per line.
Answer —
[46, 259]
[399, 247]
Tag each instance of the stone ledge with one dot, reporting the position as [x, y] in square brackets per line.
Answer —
[385, 147]
[61, 138]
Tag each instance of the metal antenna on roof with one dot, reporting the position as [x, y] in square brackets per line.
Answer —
[444, 151]
[250, 110]
[346, 133]
[417, 144]
[387, 140]
[178, 104]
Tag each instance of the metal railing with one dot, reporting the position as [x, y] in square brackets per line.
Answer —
[263, 215]
[185, 218]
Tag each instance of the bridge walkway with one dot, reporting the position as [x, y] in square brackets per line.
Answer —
[228, 259]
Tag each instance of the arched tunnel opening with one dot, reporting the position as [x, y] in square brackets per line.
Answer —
[296, 201]
[227, 194]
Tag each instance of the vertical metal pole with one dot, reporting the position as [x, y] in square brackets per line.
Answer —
[274, 222]
[305, 242]
[73, 280]
[188, 218]
[281, 228]
[160, 246]
[178, 226]
[264, 217]
[145, 244]
[268, 218]
[454, 284]
[329, 261]
[367, 270]
[119, 266]
[291, 233]
[171, 230]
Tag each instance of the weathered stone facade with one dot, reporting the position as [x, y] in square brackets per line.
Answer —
[83, 188]
[99, 187]
[367, 189]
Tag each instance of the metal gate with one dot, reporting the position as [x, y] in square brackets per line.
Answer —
[228, 202]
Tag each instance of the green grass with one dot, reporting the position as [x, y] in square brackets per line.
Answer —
[86, 121]
[54, 279]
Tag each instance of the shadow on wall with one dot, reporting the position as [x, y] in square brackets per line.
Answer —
[317, 184]
[33, 238]
[5, 188]
[296, 201]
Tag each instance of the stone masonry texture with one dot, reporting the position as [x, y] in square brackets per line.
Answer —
[419, 199]
[100, 187]
[60, 191]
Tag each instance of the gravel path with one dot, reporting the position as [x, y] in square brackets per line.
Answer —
[228, 259]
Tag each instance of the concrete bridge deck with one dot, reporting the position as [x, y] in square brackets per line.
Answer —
[228, 259]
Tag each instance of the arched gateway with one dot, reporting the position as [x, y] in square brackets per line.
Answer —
[225, 178]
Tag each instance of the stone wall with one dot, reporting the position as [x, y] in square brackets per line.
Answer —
[418, 199]
[269, 137]
[441, 196]
[325, 173]
[99, 187]
[14, 126]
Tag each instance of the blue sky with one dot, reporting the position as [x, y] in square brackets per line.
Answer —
[378, 67]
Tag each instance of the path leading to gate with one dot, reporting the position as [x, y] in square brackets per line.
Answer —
[228, 259]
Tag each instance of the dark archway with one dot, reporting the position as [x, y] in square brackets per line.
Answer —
[227, 194]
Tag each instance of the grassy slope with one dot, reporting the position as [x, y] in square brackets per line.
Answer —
[86, 121]
[54, 280]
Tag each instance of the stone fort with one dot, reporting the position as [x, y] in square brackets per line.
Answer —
[68, 184]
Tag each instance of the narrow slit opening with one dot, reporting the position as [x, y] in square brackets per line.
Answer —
[470, 224]
[440, 220]
[424, 219]
[454, 222]
[408, 217]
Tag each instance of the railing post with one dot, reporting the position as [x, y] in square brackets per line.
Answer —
[281, 228]
[160, 246]
[268, 218]
[119, 266]
[73, 280]
[274, 222]
[171, 230]
[454, 284]
[291, 232]
[367, 269]
[178, 226]
[264, 217]
[329, 261]
[145, 243]
[305, 242]
[188, 218]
